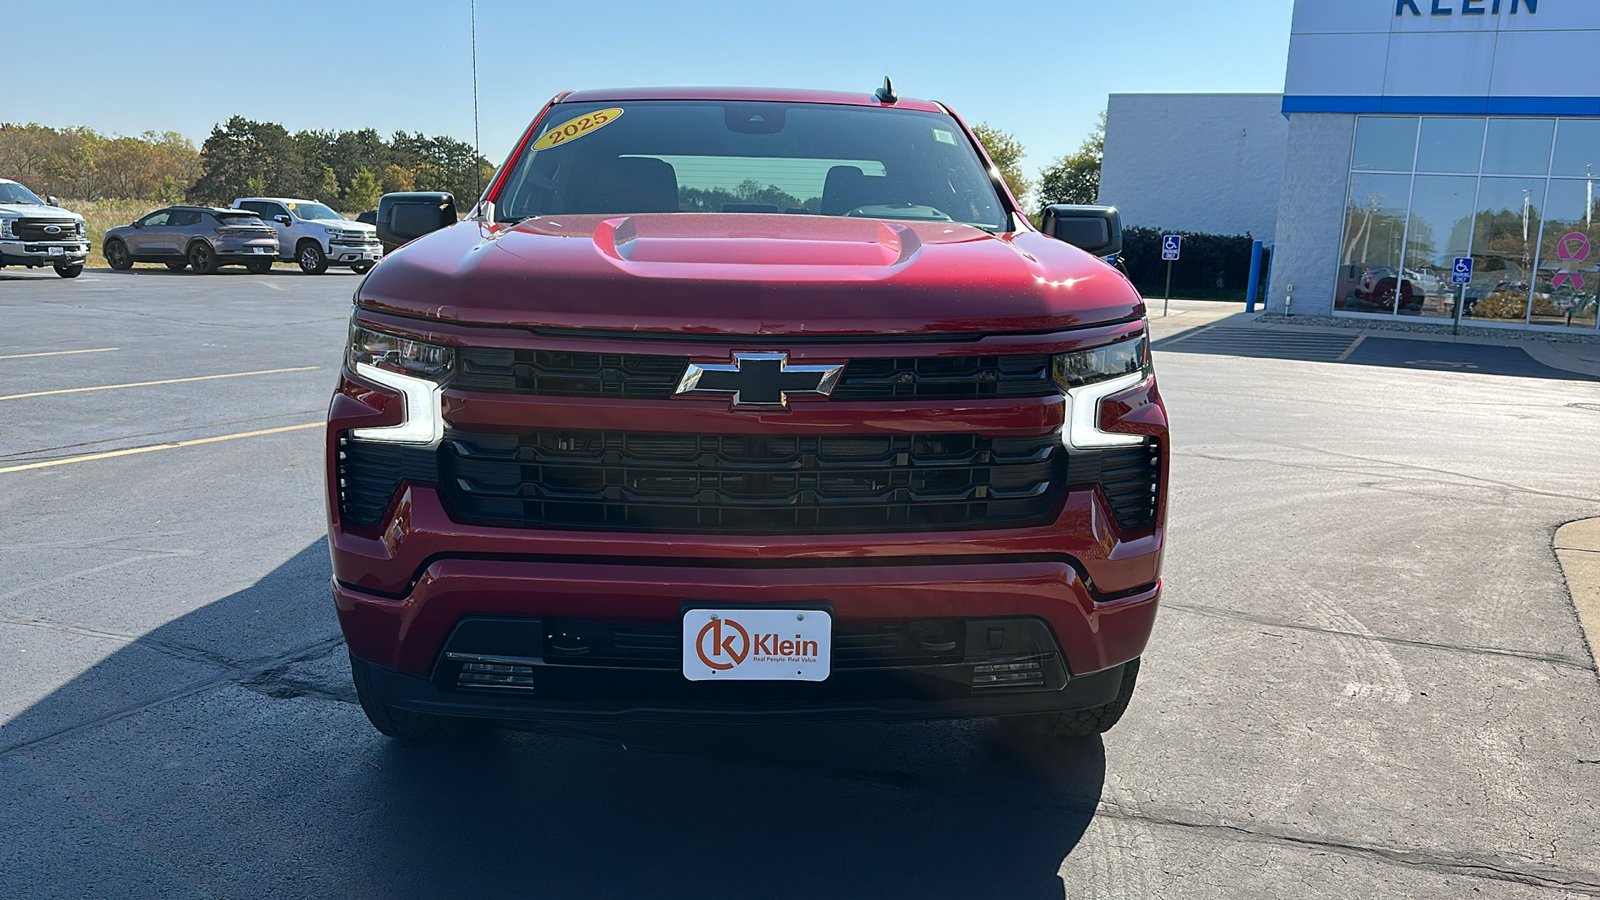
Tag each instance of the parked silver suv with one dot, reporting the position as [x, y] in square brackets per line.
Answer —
[203, 238]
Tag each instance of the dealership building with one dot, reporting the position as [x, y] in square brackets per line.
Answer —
[1410, 134]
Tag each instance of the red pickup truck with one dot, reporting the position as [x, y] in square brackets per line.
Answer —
[747, 404]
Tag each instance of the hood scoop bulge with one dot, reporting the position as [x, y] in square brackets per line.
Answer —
[755, 240]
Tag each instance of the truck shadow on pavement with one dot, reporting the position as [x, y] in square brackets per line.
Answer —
[250, 771]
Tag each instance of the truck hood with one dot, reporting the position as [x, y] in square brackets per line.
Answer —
[343, 224]
[12, 210]
[709, 273]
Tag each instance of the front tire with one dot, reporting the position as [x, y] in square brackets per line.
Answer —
[72, 271]
[403, 724]
[1078, 722]
[311, 258]
[117, 255]
[202, 258]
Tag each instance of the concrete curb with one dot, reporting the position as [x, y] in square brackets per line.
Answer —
[1577, 546]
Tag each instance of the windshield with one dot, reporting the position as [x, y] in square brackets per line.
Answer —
[11, 192]
[751, 157]
[313, 211]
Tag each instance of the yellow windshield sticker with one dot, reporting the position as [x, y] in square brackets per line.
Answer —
[577, 128]
[291, 206]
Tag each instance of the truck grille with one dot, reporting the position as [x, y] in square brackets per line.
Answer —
[639, 377]
[701, 483]
[734, 484]
[36, 229]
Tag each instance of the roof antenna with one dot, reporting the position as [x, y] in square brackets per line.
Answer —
[886, 93]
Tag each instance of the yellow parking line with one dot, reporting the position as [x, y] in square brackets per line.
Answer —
[60, 353]
[155, 447]
[112, 387]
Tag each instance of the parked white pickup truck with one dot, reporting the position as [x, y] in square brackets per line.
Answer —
[314, 236]
[34, 233]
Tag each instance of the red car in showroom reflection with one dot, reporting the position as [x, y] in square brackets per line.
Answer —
[1373, 288]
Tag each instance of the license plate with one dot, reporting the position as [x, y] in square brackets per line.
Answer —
[366, 254]
[258, 249]
[757, 644]
[58, 251]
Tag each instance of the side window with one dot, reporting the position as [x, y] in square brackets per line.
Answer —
[183, 218]
[155, 219]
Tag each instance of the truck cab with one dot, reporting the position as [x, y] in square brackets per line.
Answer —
[34, 233]
[314, 237]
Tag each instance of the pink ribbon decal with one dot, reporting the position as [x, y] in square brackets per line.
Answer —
[1574, 252]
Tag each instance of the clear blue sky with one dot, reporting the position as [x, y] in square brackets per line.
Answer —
[1040, 70]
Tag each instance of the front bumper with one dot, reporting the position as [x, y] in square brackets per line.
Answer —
[43, 253]
[655, 697]
[350, 254]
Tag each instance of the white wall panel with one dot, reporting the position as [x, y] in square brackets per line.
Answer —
[1342, 18]
[1337, 64]
[1195, 162]
[1565, 68]
[1440, 64]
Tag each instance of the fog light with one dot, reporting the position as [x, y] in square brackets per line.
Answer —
[504, 675]
[1007, 674]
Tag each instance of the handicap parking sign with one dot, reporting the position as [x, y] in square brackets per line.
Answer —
[1171, 247]
[1462, 274]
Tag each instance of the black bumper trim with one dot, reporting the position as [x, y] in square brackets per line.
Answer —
[417, 694]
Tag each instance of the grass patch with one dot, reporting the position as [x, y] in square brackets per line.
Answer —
[99, 215]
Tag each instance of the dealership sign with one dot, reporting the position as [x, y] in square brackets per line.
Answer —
[1467, 7]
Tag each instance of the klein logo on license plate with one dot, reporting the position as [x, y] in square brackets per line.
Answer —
[58, 251]
[757, 644]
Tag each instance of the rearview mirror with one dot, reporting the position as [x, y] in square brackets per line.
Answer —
[407, 215]
[1093, 229]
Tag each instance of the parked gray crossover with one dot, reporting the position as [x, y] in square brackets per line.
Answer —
[199, 237]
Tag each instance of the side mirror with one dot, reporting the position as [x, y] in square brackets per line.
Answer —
[137, 224]
[408, 215]
[282, 220]
[51, 199]
[1093, 229]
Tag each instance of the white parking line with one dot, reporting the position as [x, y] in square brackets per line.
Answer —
[60, 353]
[151, 449]
[111, 387]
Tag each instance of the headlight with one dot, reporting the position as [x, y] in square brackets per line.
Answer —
[1090, 376]
[415, 369]
[83, 228]
[418, 359]
[333, 231]
[5, 228]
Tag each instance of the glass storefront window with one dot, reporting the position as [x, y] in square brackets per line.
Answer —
[1505, 242]
[1518, 146]
[1374, 238]
[1517, 195]
[1569, 258]
[1440, 230]
[1577, 148]
[1451, 145]
[1385, 144]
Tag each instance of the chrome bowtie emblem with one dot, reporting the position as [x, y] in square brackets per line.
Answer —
[759, 380]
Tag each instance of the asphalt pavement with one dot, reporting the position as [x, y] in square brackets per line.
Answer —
[1367, 680]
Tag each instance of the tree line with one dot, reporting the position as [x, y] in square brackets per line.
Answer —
[345, 169]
